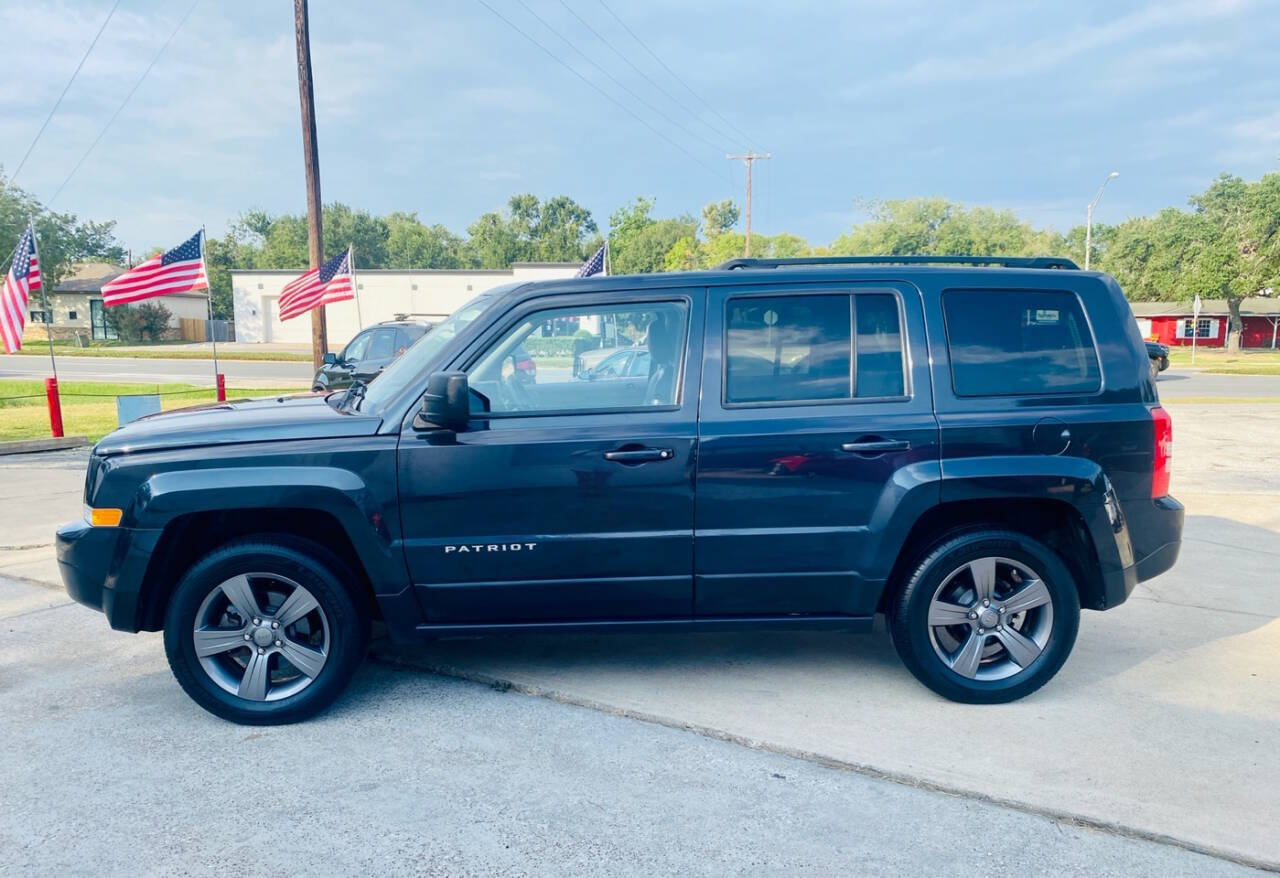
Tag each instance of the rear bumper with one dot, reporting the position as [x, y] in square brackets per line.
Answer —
[1155, 531]
[103, 568]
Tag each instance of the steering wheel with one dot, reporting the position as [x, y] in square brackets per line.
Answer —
[515, 396]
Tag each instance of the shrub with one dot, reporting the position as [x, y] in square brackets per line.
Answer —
[133, 322]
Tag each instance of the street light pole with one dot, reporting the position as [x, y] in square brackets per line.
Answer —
[1088, 221]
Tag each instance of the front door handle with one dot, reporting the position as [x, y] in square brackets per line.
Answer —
[876, 446]
[639, 455]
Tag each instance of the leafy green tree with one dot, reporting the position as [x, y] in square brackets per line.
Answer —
[411, 244]
[638, 243]
[63, 239]
[719, 217]
[935, 226]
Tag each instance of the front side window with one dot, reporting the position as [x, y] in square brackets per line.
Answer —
[354, 351]
[531, 369]
[1019, 342]
[382, 346]
[804, 348]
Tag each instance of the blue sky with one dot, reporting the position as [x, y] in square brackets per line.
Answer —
[443, 109]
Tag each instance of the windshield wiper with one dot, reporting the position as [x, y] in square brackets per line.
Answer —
[354, 392]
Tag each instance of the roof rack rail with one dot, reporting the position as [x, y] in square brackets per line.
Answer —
[1005, 261]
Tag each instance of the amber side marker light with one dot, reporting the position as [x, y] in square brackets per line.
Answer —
[105, 517]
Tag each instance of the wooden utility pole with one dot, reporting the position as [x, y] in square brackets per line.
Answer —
[311, 166]
[747, 158]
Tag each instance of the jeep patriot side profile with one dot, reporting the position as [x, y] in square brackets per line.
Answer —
[972, 446]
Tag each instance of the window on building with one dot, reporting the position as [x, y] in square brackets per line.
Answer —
[71, 315]
[813, 348]
[1019, 342]
[38, 316]
[1205, 327]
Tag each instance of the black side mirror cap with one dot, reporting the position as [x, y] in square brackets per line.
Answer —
[330, 358]
[447, 403]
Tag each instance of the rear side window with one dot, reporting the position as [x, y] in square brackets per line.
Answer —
[1019, 343]
[815, 348]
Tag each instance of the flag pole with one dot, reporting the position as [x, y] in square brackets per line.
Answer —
[208, 290]
[355, 287]
[44, 297]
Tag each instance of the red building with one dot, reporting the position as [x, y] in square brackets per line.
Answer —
[1171, 323]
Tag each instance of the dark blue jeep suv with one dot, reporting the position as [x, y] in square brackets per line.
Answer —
[972, 447]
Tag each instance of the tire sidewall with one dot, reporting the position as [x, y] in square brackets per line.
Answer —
[307, 564]
[910, 627]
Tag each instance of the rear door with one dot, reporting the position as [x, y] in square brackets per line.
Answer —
[816, 420]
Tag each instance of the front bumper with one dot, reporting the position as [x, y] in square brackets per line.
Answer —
[104, 567]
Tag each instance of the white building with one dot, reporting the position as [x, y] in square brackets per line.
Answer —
[382, 294]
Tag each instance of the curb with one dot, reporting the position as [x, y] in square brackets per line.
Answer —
[27, 446]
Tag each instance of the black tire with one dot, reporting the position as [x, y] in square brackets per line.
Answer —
[309, 565]
[1164, 363]
[909, 615]
[1155, 368]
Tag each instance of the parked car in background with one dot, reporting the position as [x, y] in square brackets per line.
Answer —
[1158, 354]
[622, 363]
[371, 351]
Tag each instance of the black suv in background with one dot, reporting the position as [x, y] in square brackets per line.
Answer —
[368, 353]
[973, 447]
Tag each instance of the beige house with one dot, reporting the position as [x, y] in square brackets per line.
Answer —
[75, 305]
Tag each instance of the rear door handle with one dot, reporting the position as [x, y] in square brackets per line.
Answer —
[639, 455]
[875, 446]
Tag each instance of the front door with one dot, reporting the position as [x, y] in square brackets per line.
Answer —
[815, 430]
[566, 498]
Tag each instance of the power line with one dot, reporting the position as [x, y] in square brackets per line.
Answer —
[568, 42]
[597, 88]
[601, 37]
[123, 103]
[65, 89]
[674, 75]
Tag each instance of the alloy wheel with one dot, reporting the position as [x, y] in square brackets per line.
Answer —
[990, 618]
[261, 636]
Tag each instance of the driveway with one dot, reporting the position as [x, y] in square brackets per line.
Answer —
[1162, 726]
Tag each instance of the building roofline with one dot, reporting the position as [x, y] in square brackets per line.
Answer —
[496, 272]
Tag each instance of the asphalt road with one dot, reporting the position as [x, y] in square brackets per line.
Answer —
[262, 373]
[1175, 383]
[109, 769]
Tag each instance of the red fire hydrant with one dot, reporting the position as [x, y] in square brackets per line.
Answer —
[222, 387]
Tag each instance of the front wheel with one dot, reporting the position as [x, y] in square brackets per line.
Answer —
[262, 631]
[986, 617]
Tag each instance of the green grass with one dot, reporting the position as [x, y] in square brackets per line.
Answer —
[89, 407]
[1221, 362]
[1220, 400]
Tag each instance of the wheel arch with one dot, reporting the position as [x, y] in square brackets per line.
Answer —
[1057, 523]
[187, 538]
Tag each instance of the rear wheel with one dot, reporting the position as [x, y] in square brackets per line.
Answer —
[262, 631]
[987, 616]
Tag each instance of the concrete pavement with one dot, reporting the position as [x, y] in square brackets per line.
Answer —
[1162, 724]
[108, 769]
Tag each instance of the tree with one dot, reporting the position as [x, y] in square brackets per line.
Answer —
[638, 243]
[935, 226]
[62, 238]
[410, 244]
[719, 217]
[154, 319]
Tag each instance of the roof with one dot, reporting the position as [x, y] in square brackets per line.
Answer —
[88, 277]
[496, 272]
[1253, 306]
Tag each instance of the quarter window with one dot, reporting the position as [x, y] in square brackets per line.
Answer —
[1019, 342]
[538, 368]
[803, 348]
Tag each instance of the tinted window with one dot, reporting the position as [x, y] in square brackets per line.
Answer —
[383, 346]
[792, 348]
[879, 368]
[530, 369]
[1018, 342]
[354, 351]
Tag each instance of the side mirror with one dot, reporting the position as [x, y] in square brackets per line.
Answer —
[330, 358]
[447, 404]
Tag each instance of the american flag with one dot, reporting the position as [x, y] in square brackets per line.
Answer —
[23, 277]
[595, 264]
[179, 270]
[329, 283]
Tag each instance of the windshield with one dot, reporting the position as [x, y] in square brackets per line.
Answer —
[411, 364]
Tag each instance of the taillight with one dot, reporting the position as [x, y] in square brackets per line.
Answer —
[1162, 454]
